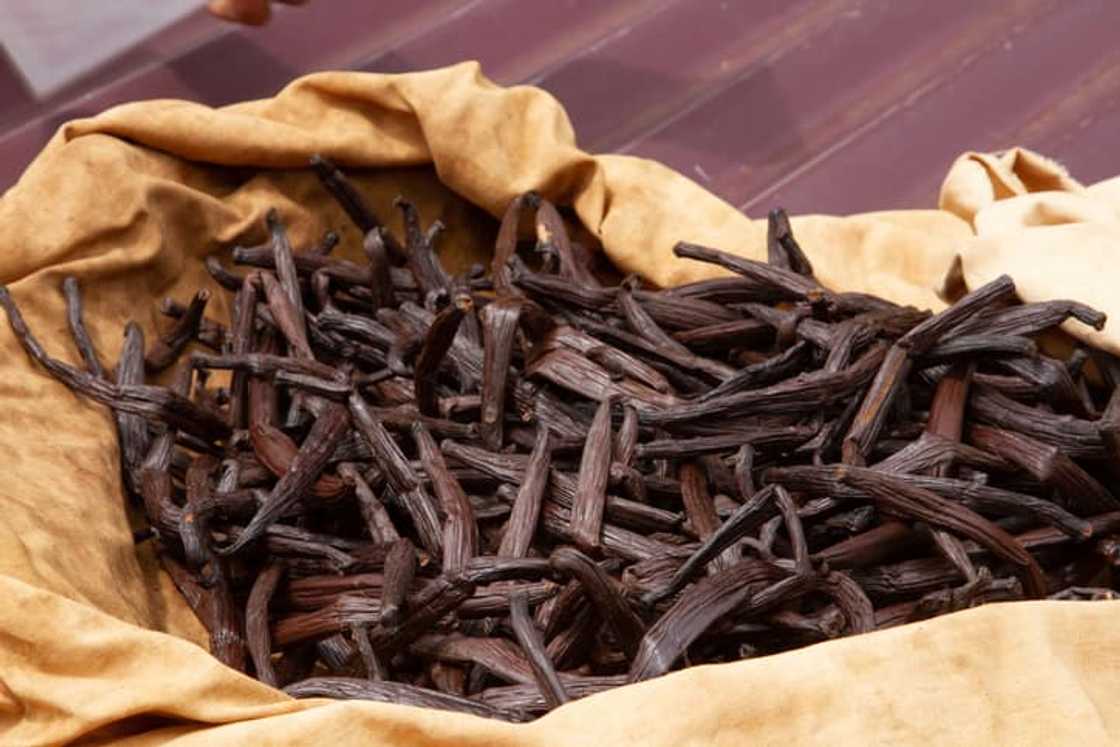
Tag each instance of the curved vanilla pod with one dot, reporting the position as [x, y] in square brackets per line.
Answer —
[75, 319]
[157, 403]
[400, 475]
[290, 319]
[460, 531]
[701, 512]
[380, 279]
[169, 346]
[505, 246]
[378, 521]
[400, 569]
[132, 428]
[1048, 465]
[701, 605]
[257, 634]
[590, 498]
[436, 344]
[529, 638]
[525, 514]
[604, 595]
[552, 237]
[349, 198]
[891, 377]
[325, 435]
[353, 688]
[499, 320]
[420, 253]
[748, 517]
[790, 284]
[1032, 318]
[921, 504]
[641, 323]
[782, 249]
[801, 394]
[849, 596]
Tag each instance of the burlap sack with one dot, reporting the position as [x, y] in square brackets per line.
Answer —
[95, 644]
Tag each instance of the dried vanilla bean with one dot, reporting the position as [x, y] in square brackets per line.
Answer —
[562, 487]
[276, 451]
[256, 622]
[381, 281]
[350, 688]
[506, 244]
[760, 374]
[528, 698]
[75, 318]
[288, 317]
[986, 345]
[760, 508]
[499, 324]
[378, 522]
[590, 498]
[132, 428]
[924, 336]
[399, 473]
[692, 614]
[518, 535]
[1049, 466]
[580, 375]
[325, 435]
[420, 252]
[701, 512]
[782, 280]
[500, 657]
[723, 509]
[1076, 437]
[443, 596]
[211, 334]
[1032, 318]
[530, 640]
[460, 532]
[761, 438]
[552, 236]
[604, 595]
[927, 506]
[493, 600]
[872, 414]
[168, 346]
[782, 250]
[436, 345]
[645, 325]
[626, 440]
[400, 567]
[739, 331]
[348, 197]
[618, 362]
[797, 395]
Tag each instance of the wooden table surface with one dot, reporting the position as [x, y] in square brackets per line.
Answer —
[828, 106]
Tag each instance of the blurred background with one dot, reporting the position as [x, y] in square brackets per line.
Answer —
[817, 105]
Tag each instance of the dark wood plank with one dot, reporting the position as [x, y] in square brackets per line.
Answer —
[819, 105]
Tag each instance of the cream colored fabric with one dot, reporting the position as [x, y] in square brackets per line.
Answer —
[94, 642]
[1032, 220]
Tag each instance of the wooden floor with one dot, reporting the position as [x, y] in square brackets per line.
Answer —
[816, 105]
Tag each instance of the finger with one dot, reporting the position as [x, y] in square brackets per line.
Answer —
[250, 12]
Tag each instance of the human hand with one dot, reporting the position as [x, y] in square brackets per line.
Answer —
[250, 12]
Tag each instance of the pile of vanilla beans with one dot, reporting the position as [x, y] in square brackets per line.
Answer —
[498, 491]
